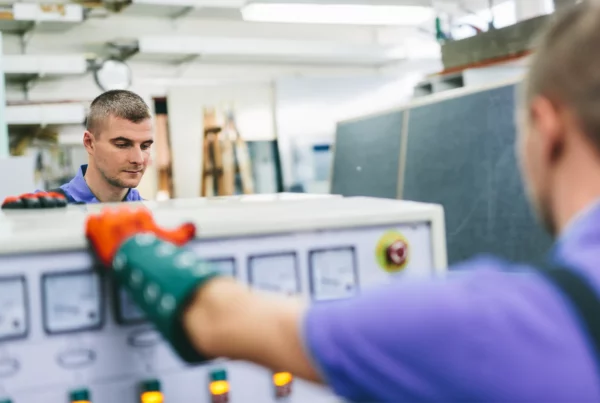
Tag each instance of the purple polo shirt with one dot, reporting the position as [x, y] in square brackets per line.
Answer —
[77, 191]
[481, 334]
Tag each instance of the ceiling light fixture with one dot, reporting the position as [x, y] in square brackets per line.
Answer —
[354, 14]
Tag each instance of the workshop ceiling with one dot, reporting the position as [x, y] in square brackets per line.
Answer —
[215, 32]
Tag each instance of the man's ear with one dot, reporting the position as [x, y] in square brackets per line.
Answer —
[549, 123]
[88, 141]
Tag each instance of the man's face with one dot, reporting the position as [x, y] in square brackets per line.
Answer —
[121, 151]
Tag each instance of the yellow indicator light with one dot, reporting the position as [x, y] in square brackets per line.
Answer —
[152, 397]
[219, 387]
[282, 378]
[81, 401]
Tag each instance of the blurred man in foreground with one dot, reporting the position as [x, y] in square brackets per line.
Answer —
[487, 334]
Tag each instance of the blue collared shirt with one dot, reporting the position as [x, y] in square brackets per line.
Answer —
[486, 334]
[78, 191]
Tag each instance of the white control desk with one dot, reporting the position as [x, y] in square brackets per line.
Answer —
[63, 327]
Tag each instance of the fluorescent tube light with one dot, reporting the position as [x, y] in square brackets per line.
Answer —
[337, 14]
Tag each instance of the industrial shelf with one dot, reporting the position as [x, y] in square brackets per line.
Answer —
[27, 67]
[22, 17]
[45, 114]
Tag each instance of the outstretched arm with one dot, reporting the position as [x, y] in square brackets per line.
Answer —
[408, 341]
[226, 319]
[201, 313]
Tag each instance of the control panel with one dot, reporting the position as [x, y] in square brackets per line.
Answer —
[69, 334]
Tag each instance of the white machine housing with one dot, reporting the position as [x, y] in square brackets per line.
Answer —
[65, 327]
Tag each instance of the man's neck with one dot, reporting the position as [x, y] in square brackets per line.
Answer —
[576, 191]
[104, 191]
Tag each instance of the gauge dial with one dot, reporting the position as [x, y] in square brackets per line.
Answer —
[225, 266]
[72, 302]
[13, 308]
[275, 273]
[333, 274]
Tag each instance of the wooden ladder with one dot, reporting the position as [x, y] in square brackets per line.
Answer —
[225, 156]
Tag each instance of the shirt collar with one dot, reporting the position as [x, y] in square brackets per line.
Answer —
[579, 221]
[582, 231]
[79, 190]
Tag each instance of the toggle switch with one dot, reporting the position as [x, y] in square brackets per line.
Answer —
[80, 396]
[219, 386]
[283, 384]
[151, 392]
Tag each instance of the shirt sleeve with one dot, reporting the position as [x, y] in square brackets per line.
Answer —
[413, 340]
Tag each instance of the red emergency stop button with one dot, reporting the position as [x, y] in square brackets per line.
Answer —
[392, 252]
[397, 253]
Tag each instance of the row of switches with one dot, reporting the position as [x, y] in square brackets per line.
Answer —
[150, 391]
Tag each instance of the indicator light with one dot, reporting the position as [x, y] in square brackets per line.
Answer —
[151, 392]
[283, 384]
[219, 386]
[80, 396]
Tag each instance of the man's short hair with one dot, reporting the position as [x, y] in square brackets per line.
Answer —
[565, 66]
[117, 103]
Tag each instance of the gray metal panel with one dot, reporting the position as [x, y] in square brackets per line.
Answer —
[366, 159]
[461, 154]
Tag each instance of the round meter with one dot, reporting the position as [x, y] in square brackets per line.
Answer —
[276, 273]
[333, 273]
[72, 302]
[13, 308]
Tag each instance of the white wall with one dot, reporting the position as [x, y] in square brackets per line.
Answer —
[308, 109]
[21, 178]
[253, 106]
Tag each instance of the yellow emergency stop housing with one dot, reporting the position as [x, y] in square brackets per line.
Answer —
[390, 240]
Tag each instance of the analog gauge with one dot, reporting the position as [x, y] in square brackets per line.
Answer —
[13, 308]
[128, 311]
[274, 273]
[333, 274]
[225, 266]
[72, 302]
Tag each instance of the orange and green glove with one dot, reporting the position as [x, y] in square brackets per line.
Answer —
[151, 263]
[35, 201]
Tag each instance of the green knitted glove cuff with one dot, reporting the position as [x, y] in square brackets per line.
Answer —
[162, 279]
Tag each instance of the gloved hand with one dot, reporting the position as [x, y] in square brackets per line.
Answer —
[35, 201]
[150, 263]
[108, 231]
